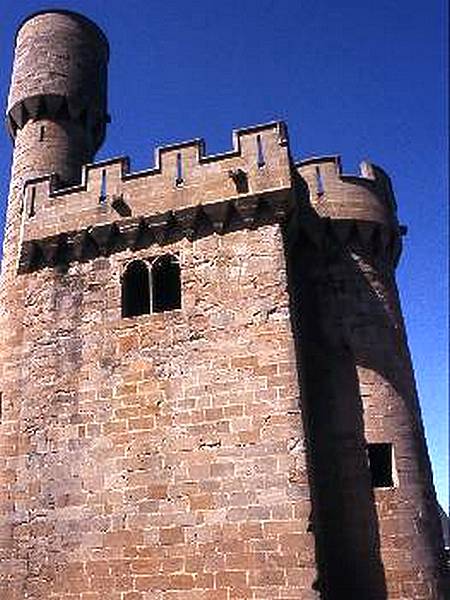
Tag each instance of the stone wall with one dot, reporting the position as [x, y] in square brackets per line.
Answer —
[373, 542]
[161, 456]
[219, 450]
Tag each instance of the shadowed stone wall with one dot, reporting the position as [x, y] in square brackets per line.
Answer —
[219, 450]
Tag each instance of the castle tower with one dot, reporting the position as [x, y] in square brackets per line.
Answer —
[56, 116]
[375, 526]
[205, 383]
[56, 110]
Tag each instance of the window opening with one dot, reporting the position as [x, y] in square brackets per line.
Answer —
[102, 198]
[260, 152]
[136, 289]
[166, 284]
[381, 464]
[179, 178]
[240, 180]
[319, 182]
[32, 207]
[42, 133]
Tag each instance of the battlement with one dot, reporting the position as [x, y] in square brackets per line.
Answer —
[366, 197]
[184, 176]
[193, 194]
[194, 355]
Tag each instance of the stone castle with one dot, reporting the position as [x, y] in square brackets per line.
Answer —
[206, 389]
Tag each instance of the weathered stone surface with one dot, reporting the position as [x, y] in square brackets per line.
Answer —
[218, 450]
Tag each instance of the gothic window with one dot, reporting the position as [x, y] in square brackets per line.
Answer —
[136, 289]
[165, 284]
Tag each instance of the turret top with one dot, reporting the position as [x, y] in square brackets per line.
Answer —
[71, 14]
[59, 72]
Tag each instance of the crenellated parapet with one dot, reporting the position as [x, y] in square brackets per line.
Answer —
[354, 211]
[256, 173]
[366, 197]
[189, 193]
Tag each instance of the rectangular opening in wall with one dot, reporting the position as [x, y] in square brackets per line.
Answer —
[381, 464]
[260, 152]
[102, 197]
[179, 166]
[319, 182]
[32, 206]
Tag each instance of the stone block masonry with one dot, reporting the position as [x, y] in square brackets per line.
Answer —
[255, 434]
[155, 461]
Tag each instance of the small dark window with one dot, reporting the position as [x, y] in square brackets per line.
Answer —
[42, 133]
[260, 151]
[32, 207]
[179, 178]
[381, 465]
[319, 182]
[102, 198]
[166, 284]
[136, 290]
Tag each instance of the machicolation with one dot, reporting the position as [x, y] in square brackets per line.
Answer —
[205, 385]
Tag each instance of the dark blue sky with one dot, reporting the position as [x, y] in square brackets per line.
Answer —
[360, 78]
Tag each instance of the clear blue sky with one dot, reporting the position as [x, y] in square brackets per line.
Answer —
[361, 78]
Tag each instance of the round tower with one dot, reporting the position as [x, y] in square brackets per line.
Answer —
[56, 112]
[56, 116]
[375, 511]
[57, 101]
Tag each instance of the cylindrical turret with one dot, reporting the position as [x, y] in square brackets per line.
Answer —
[56, 116]
[57, 100]
[56, 111]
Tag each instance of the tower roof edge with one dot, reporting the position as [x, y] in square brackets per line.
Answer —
[69, 13]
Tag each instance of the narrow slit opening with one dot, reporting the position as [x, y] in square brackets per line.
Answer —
[179, 166]
[319, 182]
[102, 197]
[42, 133]
[32, 206]
[260, 152]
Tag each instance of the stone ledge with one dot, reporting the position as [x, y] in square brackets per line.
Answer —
[203, 220]
[183, 176]
[58, 107]
[161, 228]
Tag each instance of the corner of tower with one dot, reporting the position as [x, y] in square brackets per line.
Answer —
[382, 181]
[367, 196]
